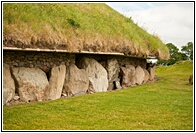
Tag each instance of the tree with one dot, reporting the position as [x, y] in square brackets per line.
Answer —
[175, 55]
[188, 50]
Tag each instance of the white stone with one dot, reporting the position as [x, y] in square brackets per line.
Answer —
[76, 81]
[32, 83]
[151, 71]
[96, 73]
[8, 84]
[113, 70]
[139, 73]
[16, 98]
[147, 75]
[128, 76]
[56, 82]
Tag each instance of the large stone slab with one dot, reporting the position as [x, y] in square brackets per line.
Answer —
[32, 83]
[76, 81]
[147, 75]
[113, 70]
[8, 84]
[56, 82]
[151, 71]
[128, 76]
[96, 73]
[139, 74]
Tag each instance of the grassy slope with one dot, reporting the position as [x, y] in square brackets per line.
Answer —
[164, 105]
[93, 27]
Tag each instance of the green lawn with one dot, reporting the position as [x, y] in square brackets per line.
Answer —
[164, 105]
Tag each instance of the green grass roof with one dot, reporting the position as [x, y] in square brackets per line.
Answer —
[77, 27]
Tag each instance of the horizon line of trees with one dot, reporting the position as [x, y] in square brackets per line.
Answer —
[186, 53]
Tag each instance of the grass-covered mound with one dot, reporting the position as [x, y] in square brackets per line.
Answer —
[164, 105]
[76, 27]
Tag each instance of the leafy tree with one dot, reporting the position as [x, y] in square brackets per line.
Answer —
[175, 55]
[183, 56]
[172, 49]
[188, 50]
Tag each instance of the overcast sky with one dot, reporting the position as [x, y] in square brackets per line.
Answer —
[172, 22]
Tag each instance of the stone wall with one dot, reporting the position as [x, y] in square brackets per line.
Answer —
[40, 76]
[46, 60]
[122, 60]
[43, 60]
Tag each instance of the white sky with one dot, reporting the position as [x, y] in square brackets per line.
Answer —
[172, 22]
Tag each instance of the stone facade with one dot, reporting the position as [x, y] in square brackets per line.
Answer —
[42, 60]
[81, 73]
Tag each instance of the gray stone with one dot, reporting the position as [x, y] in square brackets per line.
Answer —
[16, 98]
[139, 74]
[8, 84]
[31, 66]
[96, 73]
[56, 82]
[151, 71]
[21, 64]
[147, 75]
[113, 70]
[128, 76]
[117, 85]
[76, 81]
[15, 64]
[32, 83]
[63, 95]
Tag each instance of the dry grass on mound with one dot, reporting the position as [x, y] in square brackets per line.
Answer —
[77, 27]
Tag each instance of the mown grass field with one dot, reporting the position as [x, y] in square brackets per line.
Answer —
[164, 105]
